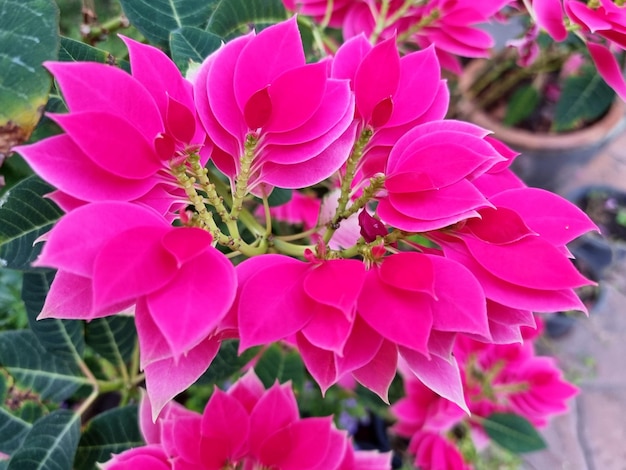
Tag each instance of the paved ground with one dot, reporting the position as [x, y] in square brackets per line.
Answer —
[593, 355]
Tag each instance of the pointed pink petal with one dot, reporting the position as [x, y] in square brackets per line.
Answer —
[400, 316]
[71, 297]
[393, 272]
[92, 131]
[328, 328]
[219, 85]
[272, 52]
[158, 74]
[556, 219]
[441, 376]
[167, 378]
[608, 68]
[315, 169]
[378, 374]
[285, 306]
[319, 362]
[131, 265]
[296, 95]
[319, 284]
[550, 17]
[302, 445]
[498, 226]
[530, 262]
[247, 390]
[187, 243]
[439, 204]
[455, 282]
[62, 163]
[152, 344]
[225, 418]
[276, 409]
[418, 70]
[117, 93]
[330, 120]
[186, 311]
[349, 56]
[94, 225]
[377, 77]
[181, 121]
[362, 345]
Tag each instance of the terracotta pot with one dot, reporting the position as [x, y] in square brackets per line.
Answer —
[547, 160]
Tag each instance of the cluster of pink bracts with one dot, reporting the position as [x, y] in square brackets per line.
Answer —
[439, 239]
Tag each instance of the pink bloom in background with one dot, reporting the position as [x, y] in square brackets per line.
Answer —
[131, 258]
[250, 426]
[120, 139]
[257, 91]
[434, 452]
[497, 378]
[550, 16]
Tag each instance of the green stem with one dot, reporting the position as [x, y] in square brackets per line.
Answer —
[346, 182]
[423, 23]
[290, 249]
[95, 33]
[368, 193]
[243, 176]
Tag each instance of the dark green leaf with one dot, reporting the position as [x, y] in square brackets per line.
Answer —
[278, 364]
[25, 215]
[76, 51]
[50, 444]
[191, 44]
[156, 19]
[279, 197]
[64, 338]
[513, 432]
[112, 337]
[521, 105]
[113, 431]
[28, 36]
[235, 17]
[36, 369]
[13, 430]
[226, 363]
[584, 98]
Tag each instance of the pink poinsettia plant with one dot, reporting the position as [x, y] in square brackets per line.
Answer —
[406, 241]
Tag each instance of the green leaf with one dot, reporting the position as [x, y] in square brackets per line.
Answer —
[64, 338]
[278, 364]
[584, 98]
[36, 369]
[76, 51]
[28, 36]
[156, 19]
[112, 337]
[226, 363]
[190, 44]
[25, 216]
[513, 432]
[235, 17]
[279, 197]
[50, 444]
[13, 430]
[113, 431]
[521, 105]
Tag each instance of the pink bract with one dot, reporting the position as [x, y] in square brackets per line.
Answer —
[250, 426]
[122, 138]
[130, 257]
[406, 306]
[257, 96]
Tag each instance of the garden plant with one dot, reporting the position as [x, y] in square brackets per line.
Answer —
[244, 232]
